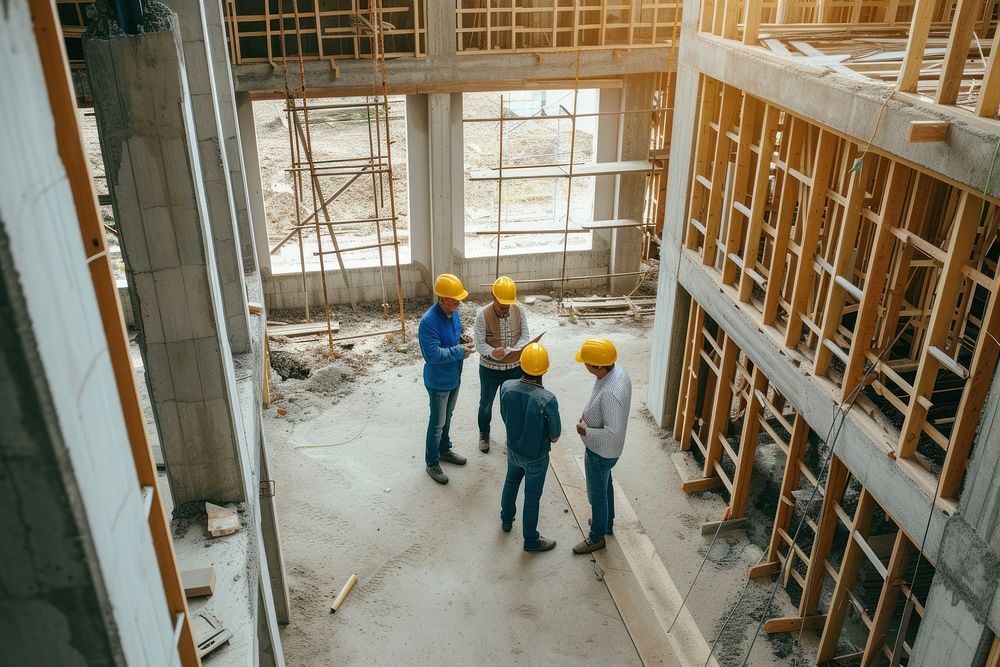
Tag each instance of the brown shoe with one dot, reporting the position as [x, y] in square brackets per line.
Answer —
[587, 547]
[484, 443]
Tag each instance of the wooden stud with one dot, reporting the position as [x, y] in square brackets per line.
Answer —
[720, 406]
[957, 53]
[881, 621]
[989, 91]
[783, 226]
[836, 483]
[919, 28]
[748, 445]
[758, 198]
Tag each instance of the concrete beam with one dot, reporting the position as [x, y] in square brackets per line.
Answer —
[146, 125]
[851, 107]
[453, 73]
[208, 110]
[861, 443]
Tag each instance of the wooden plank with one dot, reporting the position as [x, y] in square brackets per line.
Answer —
[758, 199]
[783, 228]
[748, 446]
[720, 406]
[764, 570]
[301, 329]
[731, 98]
[793, 624]
[789, 483]
[700, 484]
[928, 131]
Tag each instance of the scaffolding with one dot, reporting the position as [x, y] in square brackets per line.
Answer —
[654, 168]
[311, 176]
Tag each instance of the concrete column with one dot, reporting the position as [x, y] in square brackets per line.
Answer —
[626, 244]
[610, 102]
[441, 41]
[672, 302]
[445, 170]
[228, 115]
[79, 582]
[147, 131]
[254, 186]
[419, 184]
[212, 149]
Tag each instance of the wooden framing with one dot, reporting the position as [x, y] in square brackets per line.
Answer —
[841, 534]
[884, 276]
[942, 49]
[537, 26]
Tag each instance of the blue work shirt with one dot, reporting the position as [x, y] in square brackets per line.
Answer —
[531, 415]
[440, 343]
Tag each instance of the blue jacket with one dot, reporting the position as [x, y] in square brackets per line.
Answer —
[441, 345]
[531, 416]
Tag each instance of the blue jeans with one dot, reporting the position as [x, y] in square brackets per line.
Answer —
[601, 493]
[533, 473]
[489, 383]
[438, 440]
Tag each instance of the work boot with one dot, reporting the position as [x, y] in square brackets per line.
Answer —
[587, 547]
[451, 457]
[541, 544]
[610, 531]
[484, 443]
[437, 474]
[506, 525]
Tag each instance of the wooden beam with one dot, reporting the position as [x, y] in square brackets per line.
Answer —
[719, 423]
[898, 562]
[989, 92]
[793, 624]
[959, 39]
[748, 445]
[836, 483]
[764, 570]
[700, 484]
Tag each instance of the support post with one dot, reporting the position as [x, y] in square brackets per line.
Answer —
[447, 199]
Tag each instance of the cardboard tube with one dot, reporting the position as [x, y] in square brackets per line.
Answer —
[342, 595]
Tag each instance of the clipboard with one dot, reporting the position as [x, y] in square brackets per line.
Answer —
[515, 355]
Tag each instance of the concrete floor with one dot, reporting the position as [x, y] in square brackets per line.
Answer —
[438, 580]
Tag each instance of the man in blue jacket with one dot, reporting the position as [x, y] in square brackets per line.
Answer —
[444, 347]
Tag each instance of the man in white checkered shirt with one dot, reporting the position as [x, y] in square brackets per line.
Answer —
[501, 327]
[602, 428]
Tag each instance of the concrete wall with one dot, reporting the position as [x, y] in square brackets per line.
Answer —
[286, 290]
[79, 582]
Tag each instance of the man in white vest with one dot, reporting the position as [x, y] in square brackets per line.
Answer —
[501, 330]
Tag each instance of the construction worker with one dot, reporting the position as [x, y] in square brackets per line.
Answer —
[602, 428]
[500, 327]
[444, 347]
[531, 414]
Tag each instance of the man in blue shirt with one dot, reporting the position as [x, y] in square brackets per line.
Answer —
[531, 415]
[444, 347]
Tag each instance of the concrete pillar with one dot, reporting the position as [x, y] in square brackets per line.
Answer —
[626, 244]
[419, 184]
[79, 582]
[445, 170]
[212, 149]
[441, 36]
[254, 186]
[228, 115]
[672, 302]
[606, 150]
[146, 125]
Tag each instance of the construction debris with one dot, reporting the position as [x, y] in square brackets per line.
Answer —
[221, 520]
[208, 633]
[608, 308]
[342, 595]
[198, 583]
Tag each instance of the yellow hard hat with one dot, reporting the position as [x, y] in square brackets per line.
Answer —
[597, 352]
[450, 287]
[505, 290]
[534, 360]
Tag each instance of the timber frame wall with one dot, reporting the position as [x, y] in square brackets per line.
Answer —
[820, 266]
